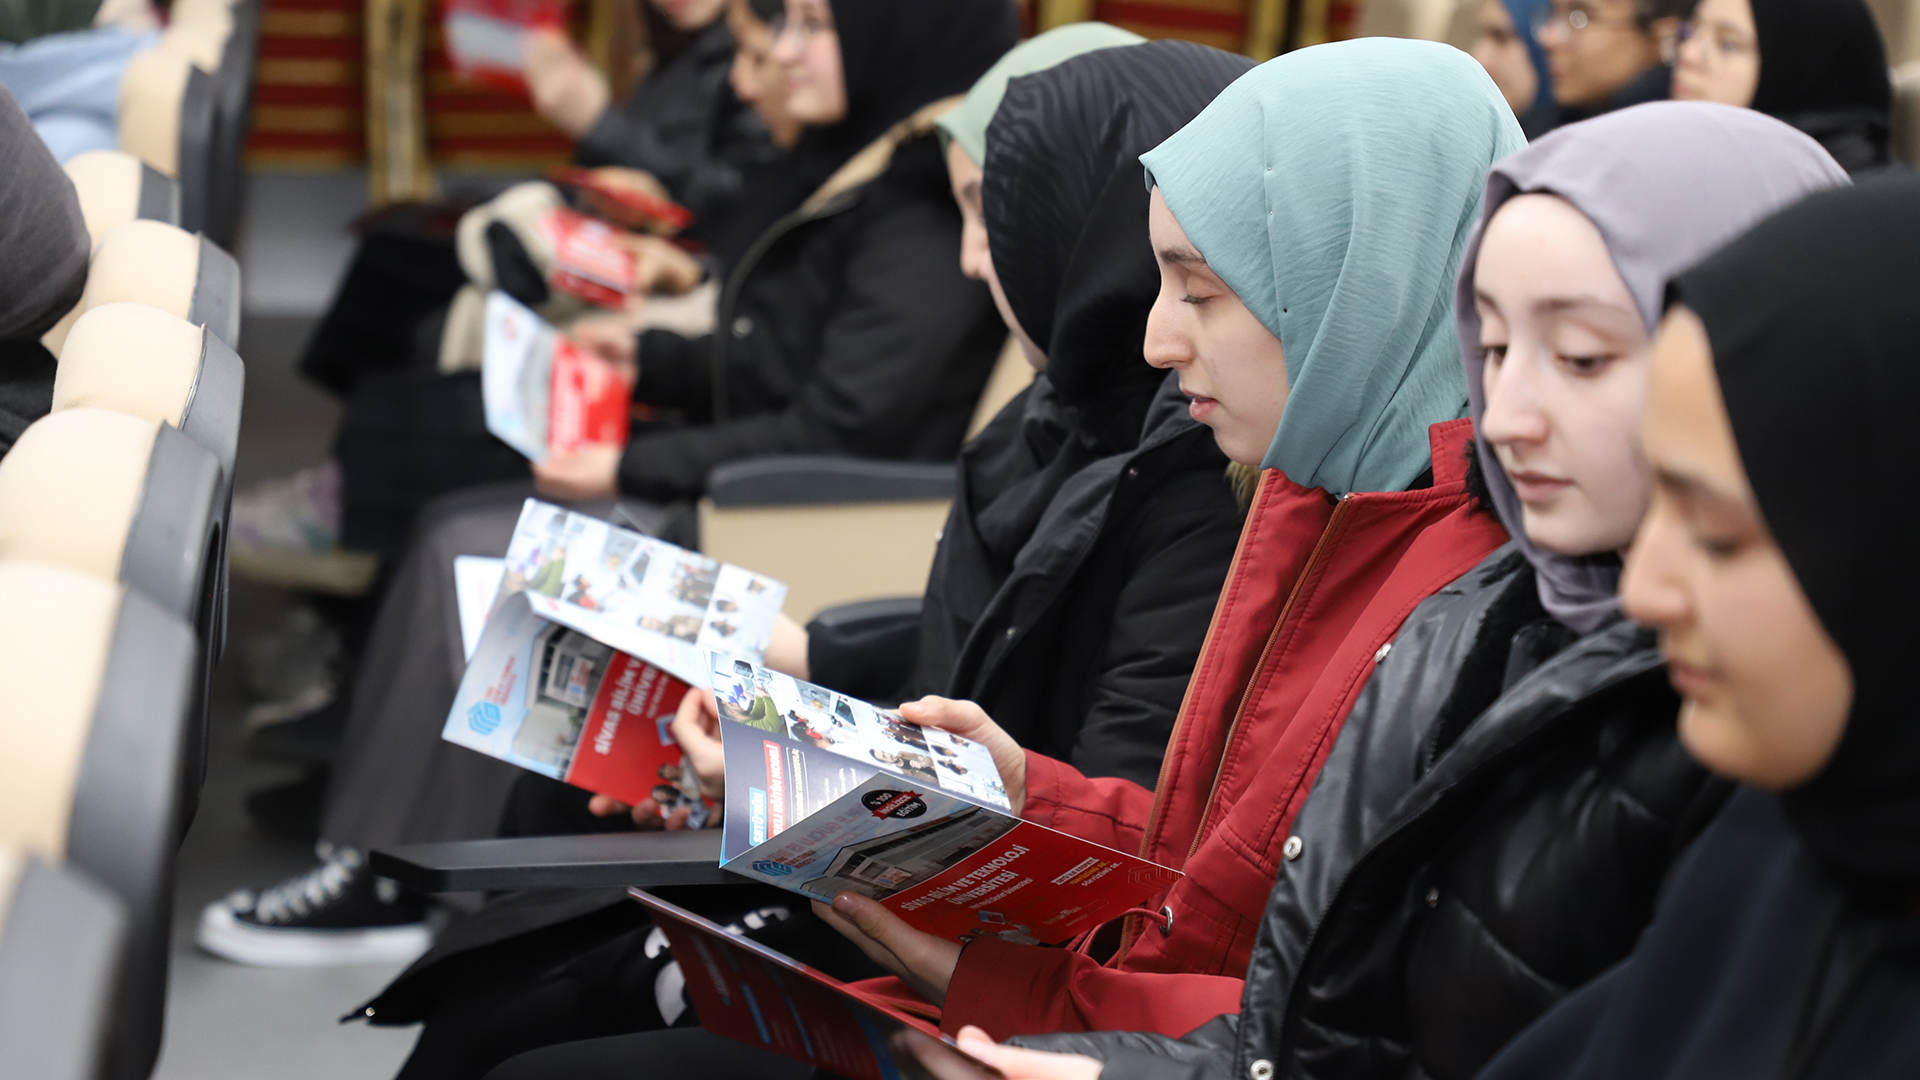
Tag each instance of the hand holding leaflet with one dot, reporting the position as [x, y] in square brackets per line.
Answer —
[827, 794]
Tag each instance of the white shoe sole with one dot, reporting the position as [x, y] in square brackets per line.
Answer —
[226, 937]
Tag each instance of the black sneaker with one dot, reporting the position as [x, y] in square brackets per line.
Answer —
[336, 913]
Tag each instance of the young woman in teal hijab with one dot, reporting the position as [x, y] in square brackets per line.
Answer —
[1308, 225]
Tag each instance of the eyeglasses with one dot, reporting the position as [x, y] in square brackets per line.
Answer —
[1719, 41]
[1574, 20]
[809, 25]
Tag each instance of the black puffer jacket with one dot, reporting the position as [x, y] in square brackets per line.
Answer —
[1083, 651]
[683, 125]
[846, 329]
[1488, 834]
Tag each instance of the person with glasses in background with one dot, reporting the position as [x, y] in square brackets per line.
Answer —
[1505, 44]
[1819, 65]
[1608, 54]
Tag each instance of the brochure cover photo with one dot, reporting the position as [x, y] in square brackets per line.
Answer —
[828, 794]
[752, 994]
[596, 635]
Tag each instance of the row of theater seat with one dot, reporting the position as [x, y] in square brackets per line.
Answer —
[113, 515]
[185, 107]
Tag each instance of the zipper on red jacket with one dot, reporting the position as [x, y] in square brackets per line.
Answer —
[1333, 522]
[1246, 694]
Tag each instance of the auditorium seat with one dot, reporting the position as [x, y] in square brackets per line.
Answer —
[115, 187]
[168, 117]
[62, 943]
[129, 500]
[96, 682]
[152, 263]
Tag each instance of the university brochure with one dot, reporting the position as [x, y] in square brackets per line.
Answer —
[487, 39]
[828, 794]
[596, 635]
[756, 995]
[543, 396]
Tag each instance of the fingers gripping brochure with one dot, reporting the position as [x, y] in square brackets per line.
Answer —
[752, 994]
[828, 794]
[597, 635]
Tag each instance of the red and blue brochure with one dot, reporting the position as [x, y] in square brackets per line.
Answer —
[829, 794]
[752, 994]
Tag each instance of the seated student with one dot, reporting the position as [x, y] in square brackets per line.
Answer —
[1512, 771]
[1609, 54]
[1785, 944]
[853, 331]
[1817, 64]
[44, 254]
[1505, 43]
[682, 128]
[1112, 580]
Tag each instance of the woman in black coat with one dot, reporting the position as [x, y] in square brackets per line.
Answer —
[1788, 944]
[1498, 812]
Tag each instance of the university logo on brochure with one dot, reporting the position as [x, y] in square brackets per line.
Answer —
[484, 717]
[772, 868]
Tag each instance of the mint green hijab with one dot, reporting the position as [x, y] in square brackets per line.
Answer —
[1365, 160]
[967, 124]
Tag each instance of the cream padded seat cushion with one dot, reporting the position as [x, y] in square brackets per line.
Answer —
[198, 30]
[145, 262]
[56, 630]
[108, 183]
[70, 487]
[151, 90]
[130, 358]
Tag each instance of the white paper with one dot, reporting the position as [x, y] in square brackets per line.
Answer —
[516, 374]
[646, 597]
[476, 585]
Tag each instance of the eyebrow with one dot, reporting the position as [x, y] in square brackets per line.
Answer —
[1182, 256]
[1695, 487]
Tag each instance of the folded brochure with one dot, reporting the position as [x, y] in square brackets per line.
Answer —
[541, 395]
[759, 996]
[597, 634]
[828, 794]
[486, 40]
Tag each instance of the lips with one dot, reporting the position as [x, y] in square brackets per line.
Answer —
[1533, 487]
[1690, 680]
[1199, 406]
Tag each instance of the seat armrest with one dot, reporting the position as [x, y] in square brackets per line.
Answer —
[600, 860]
[804, 480]
[866, 649]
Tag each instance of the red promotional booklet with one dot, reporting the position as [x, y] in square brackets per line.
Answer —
[752, 994]
[588, 259]
[542, 395]
[596, 636]
[828, 794]
[487, 39]
[625, 205]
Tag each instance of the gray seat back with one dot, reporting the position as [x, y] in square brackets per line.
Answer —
[62, 944]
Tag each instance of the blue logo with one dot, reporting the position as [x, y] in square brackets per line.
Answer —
[772, 868]
[484, 717]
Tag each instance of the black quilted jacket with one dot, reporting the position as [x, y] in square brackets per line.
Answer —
[1489, 833]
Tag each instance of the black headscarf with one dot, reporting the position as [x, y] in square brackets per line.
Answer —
[1066, 215]
[898, 56]
[1823, 69]
[1813, 319]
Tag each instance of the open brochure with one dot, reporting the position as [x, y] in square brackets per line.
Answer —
[589, 259]
[487, 39]
[625, 204]
[543, 396]
[828, 794]
[752, 994]
[596, 636]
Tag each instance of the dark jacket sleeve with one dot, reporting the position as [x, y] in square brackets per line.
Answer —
[675, 373]
[1205, 1053]
[1176, 562]
[902, 306]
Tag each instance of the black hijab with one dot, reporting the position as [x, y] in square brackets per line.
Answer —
[898, 56]
[1813, 318]
[1066, 215]
[1823, 69]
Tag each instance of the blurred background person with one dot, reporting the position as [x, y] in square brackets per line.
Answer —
[1608, 54]
[1505, 43]
[1819, 65]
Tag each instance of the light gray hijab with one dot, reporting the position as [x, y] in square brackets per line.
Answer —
[1666, 184]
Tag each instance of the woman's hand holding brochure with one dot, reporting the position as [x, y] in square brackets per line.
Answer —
[970, 721]
[923, 961]
[977, 1049]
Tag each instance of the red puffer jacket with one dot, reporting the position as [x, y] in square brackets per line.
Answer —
[1317, 586]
